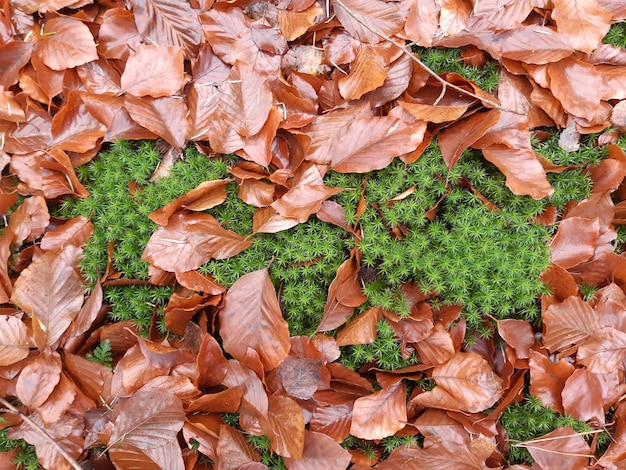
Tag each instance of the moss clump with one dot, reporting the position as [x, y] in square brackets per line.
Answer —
[487, 260]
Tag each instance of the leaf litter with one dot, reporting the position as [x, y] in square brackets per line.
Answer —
[296, 89]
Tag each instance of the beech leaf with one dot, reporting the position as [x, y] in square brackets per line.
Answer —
[251, 318]
[51, 292]
[66, 43]
[568, 323]
[189, 241]
[14, 343]
[150, 429]
[380, 414]
[465, 383]
[154, 71]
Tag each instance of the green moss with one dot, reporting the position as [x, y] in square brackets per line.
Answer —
[530, 419]
[489, 261]
[449, 60]
[616, 35]
[26, 458]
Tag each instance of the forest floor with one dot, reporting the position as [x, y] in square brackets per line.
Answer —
[313, 235]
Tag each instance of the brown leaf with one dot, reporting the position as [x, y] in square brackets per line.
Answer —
[437, 348]
[233, 450]
[284, 426]
[51, 291]
[547, 379]
[74, 232]
[300, 376]
[149, 430]
[320, 451]
[169, 22]
[66, 433]
[166, 117]
[206, 195]
[604, 351]
[518, 334]
[568, 323]
[154, 71]
[344, 294]
[562, 447]
[14, 342]
[38, 379]
[303, 200]
[294, 23]
[367, 72]
[189, 241]
[575, 241]
[381, 414]
[255, 400]
[515, 43]
[251, 318]
[465, 383]
[212, 365]
[361, 330]
[584, 21]
[65, 43]
[582, 396]
[361, 17]
[454, 140]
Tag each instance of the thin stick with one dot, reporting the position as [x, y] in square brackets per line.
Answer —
[43, 432]
[425, 67]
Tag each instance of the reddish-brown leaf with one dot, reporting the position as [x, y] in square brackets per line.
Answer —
[344, 294]
[454, 140]
[300, 377]
[14, 342]
[204, 196]
[367, 20]
[190, 240]
[150, 430]
[65, 43]
[284, 426]
[367, 72]
[465, 383]
[233, 450]
[251, 318]
[562, 448]
[38, 379]
[361, 330]
[582, 396]
[604, 351]
[165, 117]
[381, 414]
[212, 365]
[320, 451]
[518, 334]
[154, 71]
[585, 22]
[568, 323]
[51, 291]
[75, 232]
[515, 43]
[255, 401]
[547, 379]
[295, 22]
[437, 348]
[303, 200]
[168, 22]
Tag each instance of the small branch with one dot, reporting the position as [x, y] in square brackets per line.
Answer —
[43, 432]
[425, 67]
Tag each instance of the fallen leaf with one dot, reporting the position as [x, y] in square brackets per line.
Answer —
[154, 71]
[65, 43]
[251, 318]
[189, 241]
[380, 414]
[51, 292]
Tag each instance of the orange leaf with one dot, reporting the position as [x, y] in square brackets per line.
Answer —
[584, 21]
[51, 291]
[547, 379]
[568, 323]
[320, 451]
[206, 195]
[367, 72]
[65, 43]
[361, 330]
[251, 318]
[14, 343]
[189, 241]
[380, 414]
[562, 448]
[284, 426]
[465, 383]
[38, 379]
[154, 71]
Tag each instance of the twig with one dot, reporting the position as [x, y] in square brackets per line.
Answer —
[43, 432]
[445, 84]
